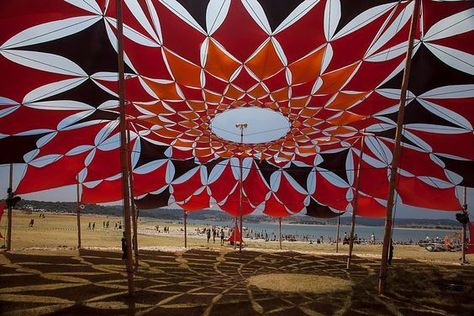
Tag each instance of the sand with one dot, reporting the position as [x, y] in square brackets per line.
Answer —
[59, 232]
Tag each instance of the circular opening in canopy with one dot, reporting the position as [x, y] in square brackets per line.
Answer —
[263, 125]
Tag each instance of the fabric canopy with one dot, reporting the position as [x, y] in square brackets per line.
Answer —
[333, 68]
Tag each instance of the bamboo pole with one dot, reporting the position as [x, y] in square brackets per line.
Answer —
[185, 217]
[241, 126]
[78, 213]
[355, 203]
[279, 224]
[337, 233]
[123, 149]
[10, 210]
[132, 202]
[464, 226]
[396, 152]
[235, 233]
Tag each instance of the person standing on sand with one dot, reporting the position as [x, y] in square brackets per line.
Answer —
[93, 226]
[222, 236]
[208, 234]
[214, 233]
[32, 222]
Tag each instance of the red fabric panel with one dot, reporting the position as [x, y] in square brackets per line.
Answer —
[57, 174]
[181, 191]
[196, 202]
[106, 191]
[224, 184]
[249, 32]
[328, 194]
[275, 208]
[254, 186]
[369, 207]
[149, 182]
[415, 192]
[232, 204]
[288, 195]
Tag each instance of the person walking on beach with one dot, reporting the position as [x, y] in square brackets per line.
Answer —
[32, 222]
[214, 233]
[89, 225]
[93, 226]
[208, 234]
[222, 236]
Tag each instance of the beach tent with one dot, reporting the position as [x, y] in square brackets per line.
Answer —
[60, 109]
[332, 68]
[335, 70]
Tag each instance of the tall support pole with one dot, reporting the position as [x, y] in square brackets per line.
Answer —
[132, 202]
[464, 226]
[10, 210]
[185, 217]
[123, 150]
[241, 126]
[355, 204]
[235, 233]
[396, 152]
[279, 224]
[337, 233]
[78, 213]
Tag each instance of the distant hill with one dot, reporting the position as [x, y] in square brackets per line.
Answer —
[215, 215]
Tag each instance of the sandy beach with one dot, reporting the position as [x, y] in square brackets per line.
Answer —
[59, 231]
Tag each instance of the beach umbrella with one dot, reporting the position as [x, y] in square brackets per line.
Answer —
[332, 69]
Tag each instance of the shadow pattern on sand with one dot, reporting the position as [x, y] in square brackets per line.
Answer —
[201, 282]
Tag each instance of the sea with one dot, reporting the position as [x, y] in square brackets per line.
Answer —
[313, 232]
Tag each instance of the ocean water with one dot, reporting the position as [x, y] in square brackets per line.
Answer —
[314, 232]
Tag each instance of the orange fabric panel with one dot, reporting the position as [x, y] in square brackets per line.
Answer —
[257, 92]
[281, 94]
[212, 97]
[334, 81]
[307, 68]
[345, 100]
[233, 93]
[165, 91]
[266, 62]
[167, 133]
[219, 63]
[184, 72]
[346, 118]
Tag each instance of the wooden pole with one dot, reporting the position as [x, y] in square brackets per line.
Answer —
[337, 233]
[355, 205]
[185, 217]
[396, 152]
[241, 126]
[279, 224]
[132, 202]
[464, 227]
[10, 210]
[235, 233]
[78, 213]
[123, 150]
